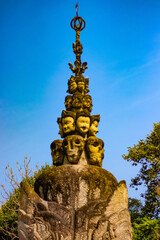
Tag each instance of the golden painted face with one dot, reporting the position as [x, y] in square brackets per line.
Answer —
[95, 151]
[68, 124]
[83, 124]
[73, 86]
[68, 102]
[81, 86]
[93, 128]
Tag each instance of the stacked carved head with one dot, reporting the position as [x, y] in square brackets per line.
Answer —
[76, 125]
[80, 144]
[95, 151]
[81, 123]
[57, 152]
[75, 149]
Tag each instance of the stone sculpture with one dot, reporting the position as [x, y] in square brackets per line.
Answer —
[68, 122]
[83, 124]
[95, 151]
[57, 152]
[93, 130]
[76, 199]
[73, 148]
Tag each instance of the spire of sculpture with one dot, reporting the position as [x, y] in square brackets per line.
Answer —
[76, 124]
[79, 101]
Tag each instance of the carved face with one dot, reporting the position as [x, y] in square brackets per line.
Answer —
[81, 85]
[57, 152]
[68, 102]
[83, 124]
[68, 124]
[72, 85]
[95, 151]
[93, 128]
[73, 146]
[87, 102]
[60, 129]
[77, 101]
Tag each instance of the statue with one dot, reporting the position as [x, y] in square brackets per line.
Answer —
[57, 152]
[93, 130]
[59, 121]
[95, 151]
[73, 148]
[83, 124]
[76, 199]
[68, 122]
[72, 85]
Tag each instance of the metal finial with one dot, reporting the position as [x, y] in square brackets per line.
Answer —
[78, 24]
[77, 7]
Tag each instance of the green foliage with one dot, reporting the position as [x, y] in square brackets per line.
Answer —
[135, 208]
[147, 155]
[9, 209]
[146, 229]
[9, 218]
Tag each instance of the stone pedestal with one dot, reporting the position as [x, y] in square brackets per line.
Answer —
[74, 202]
[75, 185]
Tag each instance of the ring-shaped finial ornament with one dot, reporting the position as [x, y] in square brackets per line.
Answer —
[78, 23]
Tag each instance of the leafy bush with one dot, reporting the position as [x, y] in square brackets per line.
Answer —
[9, 209]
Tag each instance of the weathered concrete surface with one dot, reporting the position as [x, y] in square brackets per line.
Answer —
[75, 203]
[75, 185]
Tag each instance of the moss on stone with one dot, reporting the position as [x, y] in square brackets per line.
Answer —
[66, 181]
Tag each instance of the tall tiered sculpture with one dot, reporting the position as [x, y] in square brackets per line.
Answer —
[76, 199]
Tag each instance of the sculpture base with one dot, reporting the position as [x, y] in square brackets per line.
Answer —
[75, 185]
[75, 202]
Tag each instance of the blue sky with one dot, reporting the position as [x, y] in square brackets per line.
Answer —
[121, 43]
